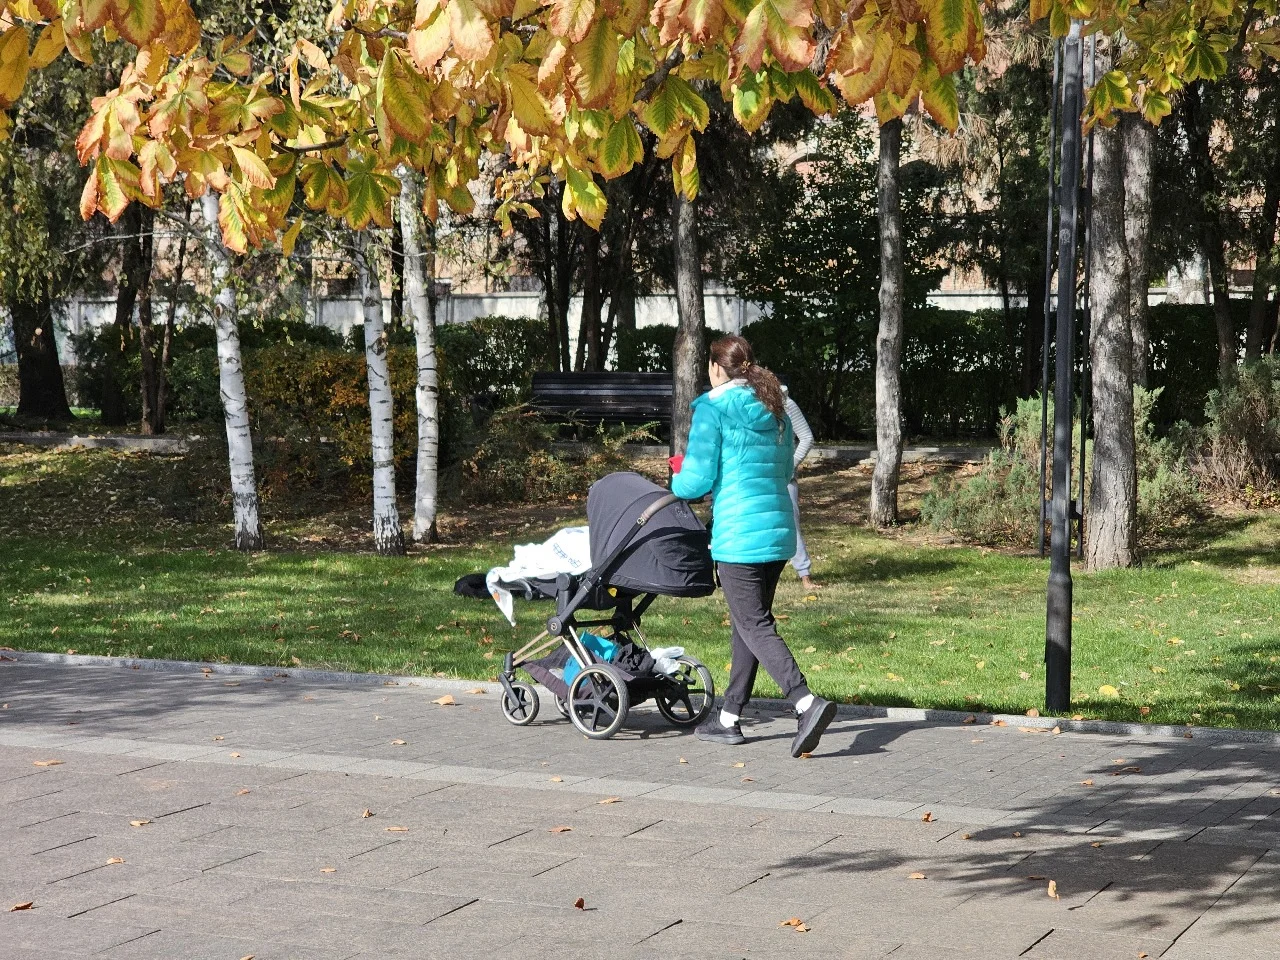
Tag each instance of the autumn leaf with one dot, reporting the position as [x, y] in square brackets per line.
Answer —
[477, 691]
[445, 701]
[328, 869]
[928, 817]
[580, 903]
[27, 905]
[610, 800]
[917, 876]
[47, 763]
[115, 860]
[560, 830]
[1086, 783]
[557, 779]
[1033, 712]
[791, 922]
[138, 823]
[1053, 890]
[399, 743]
[241, 793]
[739, 765]
[396, 829]
[1107, 690]
[366, 814]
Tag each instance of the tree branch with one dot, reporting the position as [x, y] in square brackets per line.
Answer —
[674, 59]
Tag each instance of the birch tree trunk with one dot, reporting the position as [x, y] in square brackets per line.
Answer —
[235, 405]
[689, 353]
[388, 539]
[884, 480]
[1113, 494]
[1139, 142]
[420, 303]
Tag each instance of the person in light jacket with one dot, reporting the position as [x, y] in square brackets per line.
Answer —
[801, 562]
[741, 451]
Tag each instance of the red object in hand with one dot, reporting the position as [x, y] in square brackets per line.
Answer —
[676, 462]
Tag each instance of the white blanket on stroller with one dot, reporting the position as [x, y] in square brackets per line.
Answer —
[568, 551]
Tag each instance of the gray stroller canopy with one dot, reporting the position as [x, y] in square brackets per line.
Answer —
[670, 555]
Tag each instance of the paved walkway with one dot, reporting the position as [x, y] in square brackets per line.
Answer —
[217, 817]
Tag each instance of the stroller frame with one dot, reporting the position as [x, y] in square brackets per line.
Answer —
[600, 696]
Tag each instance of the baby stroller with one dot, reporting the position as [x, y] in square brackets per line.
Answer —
[645, 543]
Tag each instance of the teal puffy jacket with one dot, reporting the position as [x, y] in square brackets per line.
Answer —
[741, 455]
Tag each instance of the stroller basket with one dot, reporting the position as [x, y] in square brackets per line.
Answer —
[645, 543]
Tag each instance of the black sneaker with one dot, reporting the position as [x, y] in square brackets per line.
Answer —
[713, 731]
[812, 724]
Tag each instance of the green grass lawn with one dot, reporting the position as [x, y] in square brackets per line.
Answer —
[901, 619]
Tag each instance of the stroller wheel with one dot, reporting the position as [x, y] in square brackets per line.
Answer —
[688, 695]
[598, 701]
[563, 707]
[524, 707]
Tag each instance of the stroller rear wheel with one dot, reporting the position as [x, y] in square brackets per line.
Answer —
[563, 706]
[522, 708]
[598, 701]
[688, 695]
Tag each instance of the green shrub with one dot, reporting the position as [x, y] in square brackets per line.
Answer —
[513, 460]
[495, 357]
[651, 349]
[997, 505]
[1240, 441]
[1168, 493]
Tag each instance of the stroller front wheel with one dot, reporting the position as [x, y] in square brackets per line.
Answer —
[688, 695]
[598, 701]
[521, 709]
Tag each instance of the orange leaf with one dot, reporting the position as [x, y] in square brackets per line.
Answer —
[47, 763]
[241, 793]
[115, 860]
[917, 876]
[560, 830]
[445, 701]
[928, 817]
[611, 800]
[22, 906]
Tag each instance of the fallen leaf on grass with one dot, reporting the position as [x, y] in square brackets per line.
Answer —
[242, 793]
[328, 869]
[1077, 717]
[1053, 890]
[1145, 711]
[1023, 675]
[810, 649]
[22, 906]
[1107, 690]
[917, 876]
[928, 817]
[446, 701]
[48, 763]
[399, 743]
[396, 829]
[1033, 712]
[115, 860]
[366, 814]
[560, 830]
[138, 823]
[610, 800]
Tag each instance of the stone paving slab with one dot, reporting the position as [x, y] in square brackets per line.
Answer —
[701, 850]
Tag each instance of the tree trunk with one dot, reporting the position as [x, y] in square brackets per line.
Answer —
[689, 352]
[131, 270]
[1139, 142]
[397, 275]
[1113, 493]
[42, 393]
[152, 420]
[419, 293]
[884, 480]
[388, 539]
[590, 352]
[235, 405]
[1211, 240]
[1256, 339]
[1032, 336]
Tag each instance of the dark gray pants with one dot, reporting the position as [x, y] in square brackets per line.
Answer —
[749, 589]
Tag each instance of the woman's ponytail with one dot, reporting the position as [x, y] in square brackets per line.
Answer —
[735, 357]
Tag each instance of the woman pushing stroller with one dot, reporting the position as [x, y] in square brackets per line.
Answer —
[740, 451]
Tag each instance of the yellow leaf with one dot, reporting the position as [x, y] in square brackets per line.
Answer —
[138, 823]
[917, 876]
[51, 43]
[571, 19]
[14, 65]
[428, 44]
[610, 800]
[47, 763]
[527, 104]
[396, 829]
[472, 35]
[595, 64]
[949, 33]
[583, 198]
[253, 168]
[560, 830]
[328, 869]
[114, 860]
[1053, 890]
[138, 21]
[286, 247]
[445, 701]
[1107, 690]
[557, 779]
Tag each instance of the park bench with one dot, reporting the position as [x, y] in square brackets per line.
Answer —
[613, 397]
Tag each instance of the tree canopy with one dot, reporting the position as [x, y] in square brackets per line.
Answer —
[559, 87]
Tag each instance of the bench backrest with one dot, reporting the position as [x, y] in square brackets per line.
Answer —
[612, 396]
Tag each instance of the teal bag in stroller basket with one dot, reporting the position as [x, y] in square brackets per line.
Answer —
[602, 648]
